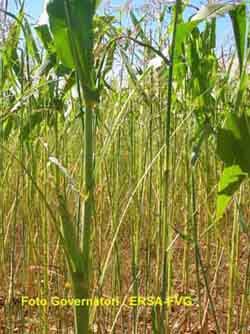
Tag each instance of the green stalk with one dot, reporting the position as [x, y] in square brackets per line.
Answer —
[89, 183]
[45, 247]
[198, 259]
[233, 267]
[187, 253]
[81, 276]
[244, 306]
[166, 266]
[80, 289]
[195, 237]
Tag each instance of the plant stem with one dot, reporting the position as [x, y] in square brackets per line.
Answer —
[81, 313]
[166, 266]
[81, 280]
[89, 186]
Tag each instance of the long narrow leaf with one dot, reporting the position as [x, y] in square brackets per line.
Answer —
[239, 22]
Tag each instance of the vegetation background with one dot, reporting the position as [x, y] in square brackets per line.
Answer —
[124, 165]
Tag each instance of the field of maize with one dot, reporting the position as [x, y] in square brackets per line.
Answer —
[124, 168]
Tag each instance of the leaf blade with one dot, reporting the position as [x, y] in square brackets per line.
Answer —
[229, 183]
[239, 22]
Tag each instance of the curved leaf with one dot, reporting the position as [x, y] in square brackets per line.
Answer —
[230, 182]
[212, 10]
[71, 24]
[45, 36]
[234, 142]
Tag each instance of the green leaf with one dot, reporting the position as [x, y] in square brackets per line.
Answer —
[234, 142]
[208, 39]
[183, 31]
[233, 149]
[229, 183]
[45, 36]
[107, 61]
[97, 4]
[31, 43]
[6, 128]
[62, 42]
[238, 17]
[71, 24]
[237, 14]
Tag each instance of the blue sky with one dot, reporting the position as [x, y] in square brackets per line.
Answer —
[224, 30]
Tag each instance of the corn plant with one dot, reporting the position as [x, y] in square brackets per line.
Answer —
[71, 26]
[142, 174]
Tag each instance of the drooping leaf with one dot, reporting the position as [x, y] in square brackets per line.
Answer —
[71, 24]
[234, 142]
[45, 36]
[75, 15]
[62, 41]
[212, 10]
[229, 183]
[233, 149]
[239, 21]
